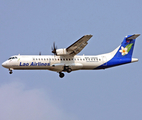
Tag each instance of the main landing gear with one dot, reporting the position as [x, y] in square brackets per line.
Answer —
[66, 69]
[69, 70]
[61, 75]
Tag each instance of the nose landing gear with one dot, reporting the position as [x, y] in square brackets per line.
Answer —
[10, 71]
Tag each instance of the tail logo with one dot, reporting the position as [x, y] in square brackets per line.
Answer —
[125, 51]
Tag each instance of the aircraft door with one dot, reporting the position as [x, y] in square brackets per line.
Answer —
[104, 61]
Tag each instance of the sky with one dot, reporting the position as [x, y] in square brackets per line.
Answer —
[29, 27]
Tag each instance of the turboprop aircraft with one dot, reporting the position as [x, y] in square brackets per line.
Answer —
[67, 60]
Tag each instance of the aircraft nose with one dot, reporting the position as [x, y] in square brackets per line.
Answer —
[4, 64]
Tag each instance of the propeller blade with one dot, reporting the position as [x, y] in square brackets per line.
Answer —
[54, 49]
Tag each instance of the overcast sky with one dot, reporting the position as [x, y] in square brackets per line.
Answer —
[31, 26]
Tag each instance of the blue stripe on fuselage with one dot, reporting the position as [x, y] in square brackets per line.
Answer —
[114, 62]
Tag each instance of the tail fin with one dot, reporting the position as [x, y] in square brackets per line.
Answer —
[122, 54]
[127, 46]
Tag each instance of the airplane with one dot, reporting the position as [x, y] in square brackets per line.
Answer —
[67, 60]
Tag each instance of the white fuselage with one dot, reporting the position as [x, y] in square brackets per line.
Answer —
[64, 63]
[54, 63]
[57, 63]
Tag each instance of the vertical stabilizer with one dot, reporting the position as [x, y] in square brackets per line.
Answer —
[127, 46]
[122, 54]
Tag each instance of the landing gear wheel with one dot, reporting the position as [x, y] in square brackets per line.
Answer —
[10, 72]
[69, 70]
[66, 67]
[61, 75]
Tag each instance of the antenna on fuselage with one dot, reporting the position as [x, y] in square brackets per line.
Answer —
[39, 53]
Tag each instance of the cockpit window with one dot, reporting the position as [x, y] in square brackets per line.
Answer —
[12, 58]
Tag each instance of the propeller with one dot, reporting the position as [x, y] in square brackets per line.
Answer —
[54, 49]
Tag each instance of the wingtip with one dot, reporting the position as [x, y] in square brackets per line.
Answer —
[89, 35]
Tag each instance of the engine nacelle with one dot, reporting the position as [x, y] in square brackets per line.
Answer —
[62, 52]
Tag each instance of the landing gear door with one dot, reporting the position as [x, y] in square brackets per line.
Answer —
[104, 61]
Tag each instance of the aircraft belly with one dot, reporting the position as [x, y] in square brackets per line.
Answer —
[90, 65]
[75, 66]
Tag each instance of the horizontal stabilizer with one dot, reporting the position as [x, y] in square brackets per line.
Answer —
[133, 37]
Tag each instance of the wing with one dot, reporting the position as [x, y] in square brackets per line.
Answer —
[76, 47]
